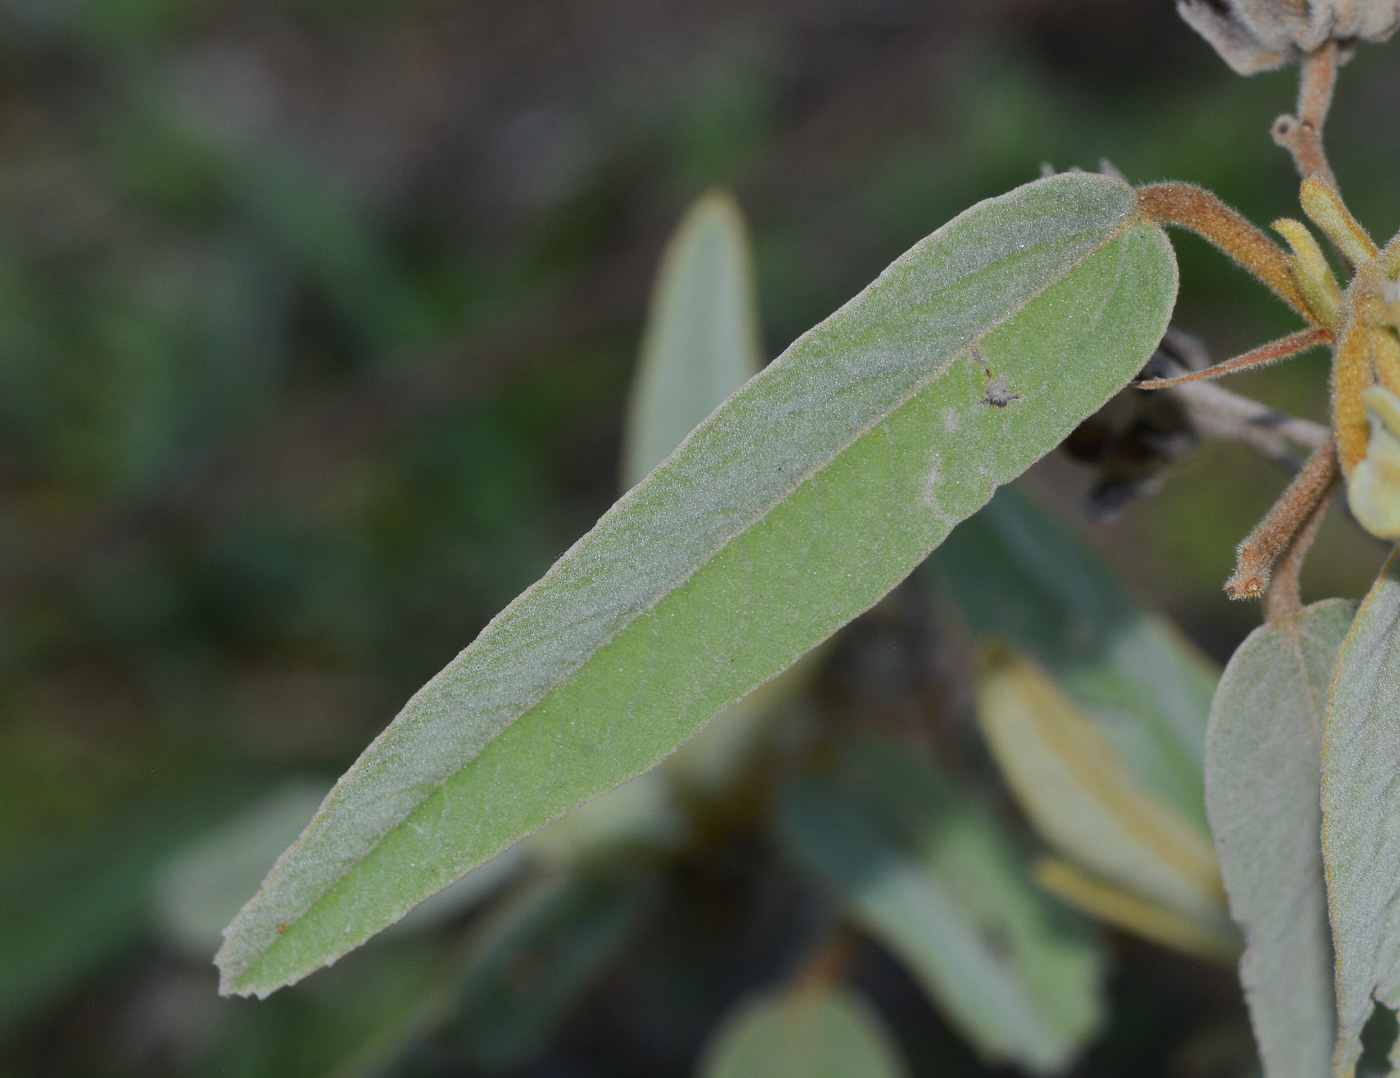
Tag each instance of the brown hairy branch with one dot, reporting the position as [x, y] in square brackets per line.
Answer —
[1283, 598]
[1197, 210]
[1219, 415]
[1301, 135]
[1284, 524]
[1265, 354]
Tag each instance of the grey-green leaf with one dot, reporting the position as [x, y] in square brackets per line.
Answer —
[1263, 769]
[701, 344]
[702, 338]
[799, 503]
[198, 888]
[920, 868]
[1361, 815]
[820, 1032]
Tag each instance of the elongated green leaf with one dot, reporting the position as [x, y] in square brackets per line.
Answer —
[797, 505]
[702, 338]
[921, 869]
[1086, 803]
[1263, 768]
[701, 345]
[1361, 815]
[1020, 574]
[198, 888]
[826, 1032]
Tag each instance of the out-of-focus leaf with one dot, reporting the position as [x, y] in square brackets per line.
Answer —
[1079, 795]
[1361, 815]
[1123, 909]
[356, 1022]
[1263, 769]
[1021, 575]
[930, 876]
[702, 339]
[538, 953]
[67, 909]
[820, 1032]
[701, 344]
[799, 503]
[198, 888]
[193, 889]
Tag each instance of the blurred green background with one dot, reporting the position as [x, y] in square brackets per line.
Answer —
[316, 326]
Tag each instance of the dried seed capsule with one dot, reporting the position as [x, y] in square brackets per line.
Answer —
[1261, 35]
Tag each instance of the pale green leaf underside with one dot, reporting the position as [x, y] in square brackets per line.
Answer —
[1361, 814]
[824, 1032]
[796, 506]
[917, 866]
[702, 339]
[1263, 767]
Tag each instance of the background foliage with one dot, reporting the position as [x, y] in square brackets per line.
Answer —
[316, 327]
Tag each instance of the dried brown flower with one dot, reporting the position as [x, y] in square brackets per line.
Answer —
[1261, 35]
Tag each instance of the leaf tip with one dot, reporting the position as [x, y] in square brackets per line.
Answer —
[238, 962]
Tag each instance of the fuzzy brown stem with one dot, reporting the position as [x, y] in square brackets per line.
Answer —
[1258, 357]
[1283, 598]
[1272, 538]
[1197, 210]
[1301, 135]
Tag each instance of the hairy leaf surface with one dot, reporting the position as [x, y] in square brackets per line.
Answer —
[793, 508]
[701, 345]
[1361, 815]
[827, 1032]
[1263, 769]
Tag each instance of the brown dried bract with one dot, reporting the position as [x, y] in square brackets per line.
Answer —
[1261, 35]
